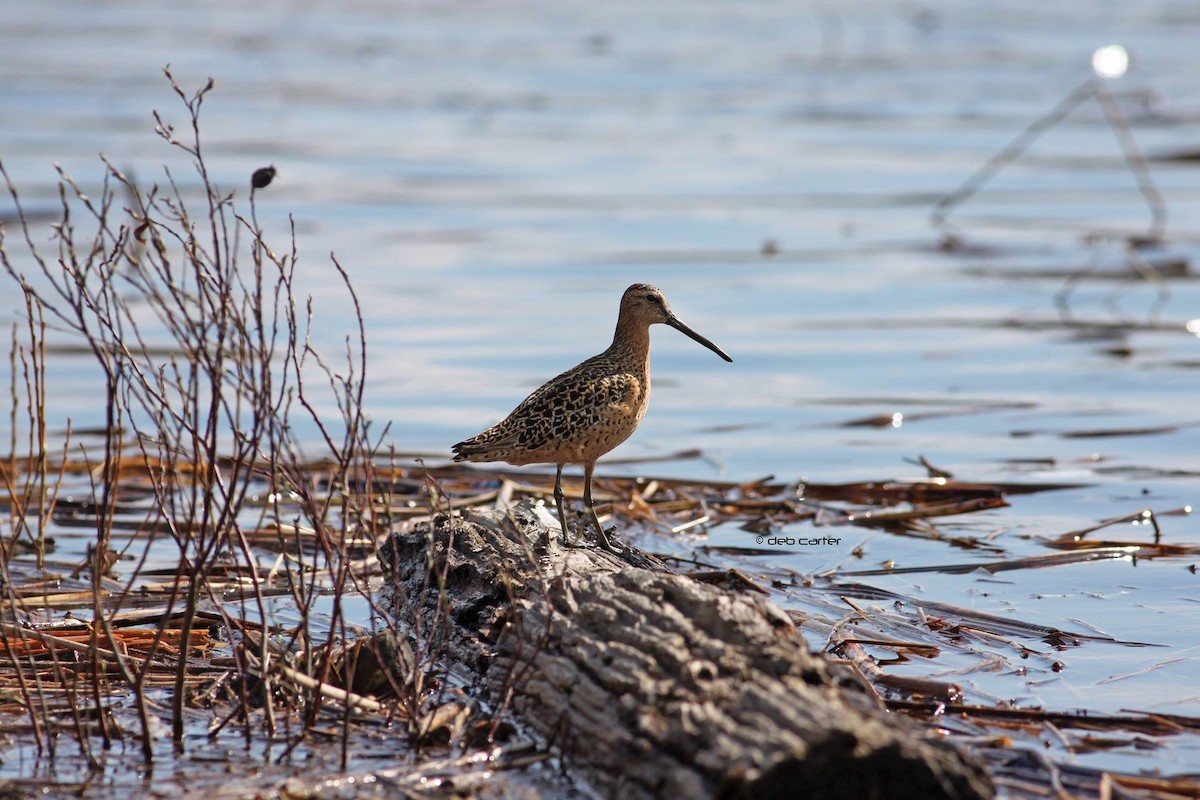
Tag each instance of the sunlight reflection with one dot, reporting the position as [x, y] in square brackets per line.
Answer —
[1111, 61]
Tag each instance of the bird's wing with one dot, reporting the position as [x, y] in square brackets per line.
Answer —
[567, 407]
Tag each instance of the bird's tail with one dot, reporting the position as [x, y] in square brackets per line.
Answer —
[463, 451]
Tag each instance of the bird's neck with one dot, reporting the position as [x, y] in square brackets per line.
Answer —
[631, 339]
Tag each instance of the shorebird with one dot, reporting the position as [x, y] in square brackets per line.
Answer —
[588, 410]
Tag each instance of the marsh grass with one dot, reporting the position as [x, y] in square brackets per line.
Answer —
[201, 338]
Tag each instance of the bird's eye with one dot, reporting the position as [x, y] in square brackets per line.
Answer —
[653, 298]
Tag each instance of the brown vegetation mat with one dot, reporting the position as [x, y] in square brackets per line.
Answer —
[61, 660]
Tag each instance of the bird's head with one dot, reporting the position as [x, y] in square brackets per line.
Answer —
[646, 305]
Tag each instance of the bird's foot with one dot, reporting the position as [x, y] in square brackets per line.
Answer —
[606, 544]
[569, 539]
[602, 542]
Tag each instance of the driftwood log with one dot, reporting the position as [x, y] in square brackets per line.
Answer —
[647, 683]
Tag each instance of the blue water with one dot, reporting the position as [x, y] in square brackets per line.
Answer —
[493, 175]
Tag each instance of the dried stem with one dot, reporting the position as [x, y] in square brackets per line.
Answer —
[199, 402]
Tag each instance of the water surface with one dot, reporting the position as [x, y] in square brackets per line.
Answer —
[493, 176]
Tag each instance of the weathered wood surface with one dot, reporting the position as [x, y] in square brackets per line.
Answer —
[651, 684]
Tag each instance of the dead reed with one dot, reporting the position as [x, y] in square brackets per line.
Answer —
[200, 336]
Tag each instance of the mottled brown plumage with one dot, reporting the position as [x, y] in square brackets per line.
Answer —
[588, 410]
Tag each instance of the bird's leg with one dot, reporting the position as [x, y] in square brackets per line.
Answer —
[587, 502]
[558, 501]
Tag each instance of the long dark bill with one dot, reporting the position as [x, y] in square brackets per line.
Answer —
[679, 326]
